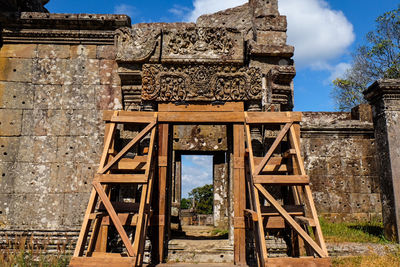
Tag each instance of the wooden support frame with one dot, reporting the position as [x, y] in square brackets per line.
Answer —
[298, 182]
[262, 173]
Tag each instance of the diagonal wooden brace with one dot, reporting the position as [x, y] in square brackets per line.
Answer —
[277, 141]
[291, 221]
[114, 217]
[129, 146]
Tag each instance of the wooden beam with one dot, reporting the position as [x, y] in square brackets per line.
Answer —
[299, 262]
[272, 117]
[121, 178]
[105, 261]
[108, 114]
[272, 148]
[282, 179]
[125, 150]
[292, 222]
[201, 117]
[114, 217]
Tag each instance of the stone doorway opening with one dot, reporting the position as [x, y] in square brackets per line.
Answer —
[200, 227]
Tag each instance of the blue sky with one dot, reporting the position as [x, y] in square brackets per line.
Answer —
[196, 171]
[324, 33]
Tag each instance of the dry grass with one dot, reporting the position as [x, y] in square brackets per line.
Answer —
[388, 260]
[23, 252]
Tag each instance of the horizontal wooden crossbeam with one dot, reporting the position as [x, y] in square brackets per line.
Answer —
[203, 117]
[120, 178]
[281, 179]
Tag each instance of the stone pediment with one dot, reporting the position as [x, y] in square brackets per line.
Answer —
[180, 45]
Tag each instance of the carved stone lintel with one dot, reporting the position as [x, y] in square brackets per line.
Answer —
[200, 83]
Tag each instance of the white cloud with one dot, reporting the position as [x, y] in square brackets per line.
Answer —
[179, 10]
[339, 71]
[125, 9]
[317, 32]
[202, 7]
[196, 171]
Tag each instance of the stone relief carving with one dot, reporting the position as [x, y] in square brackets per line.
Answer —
[200, 83]
[136, 44]
[202, 44]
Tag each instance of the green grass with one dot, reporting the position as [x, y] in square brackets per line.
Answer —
[360, 232]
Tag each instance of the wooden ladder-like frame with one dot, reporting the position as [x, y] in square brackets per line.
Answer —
[287, 170]
[100, 208]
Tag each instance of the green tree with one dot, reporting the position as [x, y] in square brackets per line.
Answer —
[203, 199]
[186, 203]
[378, 58]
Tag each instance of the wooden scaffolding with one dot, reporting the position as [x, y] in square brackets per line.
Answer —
[145, 172]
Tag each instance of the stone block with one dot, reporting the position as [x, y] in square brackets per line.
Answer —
[362, 112]
[59, 122]
[106, 52]
[18, 50]
[85, 122]
[10, 122]
[351, 166]
[82, 71]
[74, 208]
[37, 211]
[78, 97]
[109, 72]
[5, 212]
[335, 166]
[16, 69]
[369, 166]
[7, 175]
[50, 70]
[37, 149]
[360, 203]
[108, 97]
[16, 95]
[32, 178]
[83, 51]
[83, 149]
[85, 175]
[34, 122]
[271, 37]
[48, 96]
[66, 177]
[9, 148]
[53, 51]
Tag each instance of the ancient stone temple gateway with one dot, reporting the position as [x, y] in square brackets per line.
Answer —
[200, 85]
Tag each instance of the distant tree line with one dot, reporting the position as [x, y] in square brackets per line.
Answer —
[200, 199]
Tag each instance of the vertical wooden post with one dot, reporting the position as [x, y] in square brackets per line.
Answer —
[163, 130]
[239, 194]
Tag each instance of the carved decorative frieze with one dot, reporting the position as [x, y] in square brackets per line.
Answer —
[199, 44]
[136, 44]
[200, 83]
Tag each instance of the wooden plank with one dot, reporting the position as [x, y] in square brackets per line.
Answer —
[292, 222]
[299, 262]
[282, 179]
[163, 140]
[83, 234]
[120, 178]
[132, 119]
[108, 140]
[114, 218]
[260, 235]
[295, 143]
[274, 222]
[293, 210]
[108, 114]
[225, 107]
[102, 261]
[125, 150]
[201, 117]
[140, 233]
[125, 218]
[138, 164]
[305, 220]
[272, 117]
[272, 148]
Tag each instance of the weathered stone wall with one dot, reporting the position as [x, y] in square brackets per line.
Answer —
[51, 132]
[341, 160]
